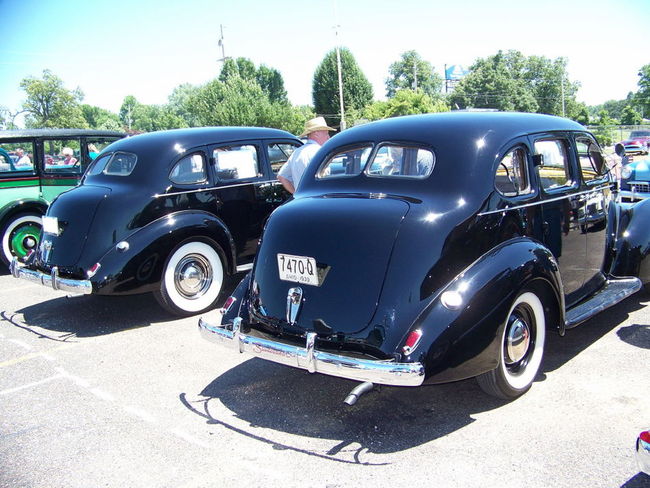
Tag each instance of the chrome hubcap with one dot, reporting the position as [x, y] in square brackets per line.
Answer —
[517, 341]
[193, 276]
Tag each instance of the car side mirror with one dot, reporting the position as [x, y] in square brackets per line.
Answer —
[538, 160]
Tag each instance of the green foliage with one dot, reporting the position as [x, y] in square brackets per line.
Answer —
[178, 103]
[99, 118]
[126, 111]
[513, 82]
[272, 84]
[357, 90]
[630, 116]
[642, 97]
[403, 76]
[240, 102]
[242, 67]
[50, 105]
[604, 131]
[405, 102]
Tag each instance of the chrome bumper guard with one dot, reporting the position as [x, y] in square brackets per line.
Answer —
[312, 360]
[52, 280]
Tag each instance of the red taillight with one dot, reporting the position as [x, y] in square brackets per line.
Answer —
[228, 304]
[645, 436]
[93, 269]
[412, 341]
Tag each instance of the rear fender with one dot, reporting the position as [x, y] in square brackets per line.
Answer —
[463, 342]
[139, 268]
[632, 244]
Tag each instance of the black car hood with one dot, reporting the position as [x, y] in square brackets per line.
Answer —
[75, 211]
[351, 239]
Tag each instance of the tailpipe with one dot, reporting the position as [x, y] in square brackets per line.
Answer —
[359, 390]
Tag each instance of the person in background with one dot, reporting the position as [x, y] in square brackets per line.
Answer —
[68, 154]
[23, 159]
[317, 133]
[92, 151]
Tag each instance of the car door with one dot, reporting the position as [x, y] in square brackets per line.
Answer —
[240, 195]
[562, 205]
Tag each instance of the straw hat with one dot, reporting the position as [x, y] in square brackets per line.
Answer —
[314, 125]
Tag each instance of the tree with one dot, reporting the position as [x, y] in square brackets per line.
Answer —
[511, 81]
[179, 103]
[99, 118]
[126, 111]
[271, 81]
[405, 102]
[642, 97]
[631, 116]
[357, 90]
[50, 105]
[240, 102]
[242, 67]
[603, 131]
[412, 72]
[150, 118]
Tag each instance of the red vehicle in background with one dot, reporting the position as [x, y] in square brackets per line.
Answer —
[637, 143]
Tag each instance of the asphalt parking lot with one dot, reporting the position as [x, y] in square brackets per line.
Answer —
[107, 391]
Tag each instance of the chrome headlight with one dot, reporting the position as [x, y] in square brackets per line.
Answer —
[626, 172]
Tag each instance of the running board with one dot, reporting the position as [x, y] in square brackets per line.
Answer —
[614, 291]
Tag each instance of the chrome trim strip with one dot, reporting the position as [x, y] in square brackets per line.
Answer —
[244, 267]
[541, 202]
[52, 280]
[309, 358]
[158, 195]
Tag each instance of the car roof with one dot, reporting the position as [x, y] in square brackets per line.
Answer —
[12, 134]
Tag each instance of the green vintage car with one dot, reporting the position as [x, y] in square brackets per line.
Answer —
[35, 166]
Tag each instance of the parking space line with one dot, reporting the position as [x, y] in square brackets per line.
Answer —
[26, 357]
[142, 414]
[102, 394]
[30, 385]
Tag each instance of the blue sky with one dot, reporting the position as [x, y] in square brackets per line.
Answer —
[114, 48]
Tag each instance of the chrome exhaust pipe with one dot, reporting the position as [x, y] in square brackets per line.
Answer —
[358, 390]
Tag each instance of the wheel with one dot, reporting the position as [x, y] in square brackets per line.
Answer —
[521, 351]
[20, 235]
[192, 279]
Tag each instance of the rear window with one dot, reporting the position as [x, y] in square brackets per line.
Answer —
[115, 164]
[388, 161]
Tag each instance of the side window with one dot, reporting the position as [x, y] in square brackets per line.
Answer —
[190, 169]
[236, 162]
[96, 145]
[62, 156]
[16, 157]
[555, 169]
[349, 162]
[512, 178]
[591, 160]
[278, 154]
[114, 164]
[402, 161]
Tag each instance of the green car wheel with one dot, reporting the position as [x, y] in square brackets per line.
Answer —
[20, 235]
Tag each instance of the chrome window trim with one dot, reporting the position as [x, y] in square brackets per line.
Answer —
[198, 190]
[541, 202]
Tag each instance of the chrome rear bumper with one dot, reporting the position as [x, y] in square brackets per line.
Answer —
[51, 280]
[312, 360]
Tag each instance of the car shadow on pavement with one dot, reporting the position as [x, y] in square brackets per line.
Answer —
[88, 316]
[385, 420]
[560, 350]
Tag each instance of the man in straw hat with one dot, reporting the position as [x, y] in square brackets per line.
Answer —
[316, 131]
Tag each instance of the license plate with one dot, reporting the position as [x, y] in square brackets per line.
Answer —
[50, 225]
[299, 269]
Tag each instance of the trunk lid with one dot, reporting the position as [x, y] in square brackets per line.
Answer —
[350, 238]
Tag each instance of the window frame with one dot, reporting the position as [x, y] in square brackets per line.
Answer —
[229, 181]
[570, 169]
[531, 190]
[206, 171]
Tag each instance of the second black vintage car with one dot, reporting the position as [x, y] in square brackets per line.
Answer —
[434, 248]
[168, 212]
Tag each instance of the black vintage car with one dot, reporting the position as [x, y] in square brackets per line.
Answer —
[168, 212]
[446, 249]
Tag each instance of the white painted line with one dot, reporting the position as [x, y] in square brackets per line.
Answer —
[102, 394]
[187, 437]
[76, 379]
[31, 385]
[22, 344]
[138, 412]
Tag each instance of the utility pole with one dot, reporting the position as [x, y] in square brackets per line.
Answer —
[221, 44]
